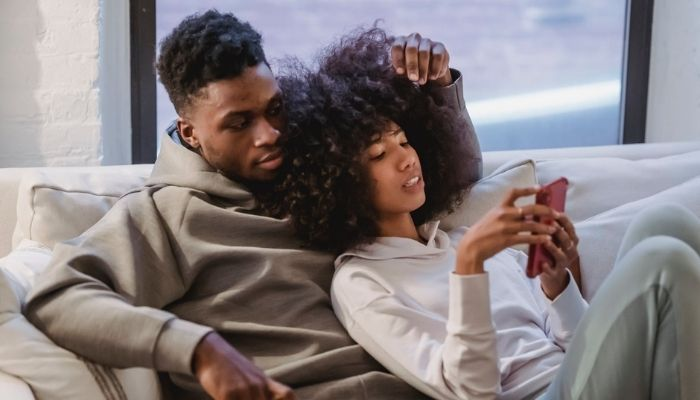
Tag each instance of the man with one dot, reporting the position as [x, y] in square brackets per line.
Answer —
[185, 275]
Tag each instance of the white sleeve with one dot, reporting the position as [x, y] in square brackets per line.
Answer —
[453, 359]
[565, 311]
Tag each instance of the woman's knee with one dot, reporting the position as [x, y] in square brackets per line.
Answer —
[663, 218]
[664, 254]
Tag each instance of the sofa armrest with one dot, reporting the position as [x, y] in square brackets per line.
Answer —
[9, 184]
[14, 388]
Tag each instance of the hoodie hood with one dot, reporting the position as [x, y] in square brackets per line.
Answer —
[392, 248]
[178, 166]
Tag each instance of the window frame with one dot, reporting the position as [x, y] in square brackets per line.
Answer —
[633, 100]
[142, 29]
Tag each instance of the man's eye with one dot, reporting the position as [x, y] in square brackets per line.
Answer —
[239, 126]
[404, 144]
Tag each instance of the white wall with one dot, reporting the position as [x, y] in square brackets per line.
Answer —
[53, 80]
[673, 112]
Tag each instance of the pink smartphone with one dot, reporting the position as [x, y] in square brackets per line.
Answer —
[552, 195]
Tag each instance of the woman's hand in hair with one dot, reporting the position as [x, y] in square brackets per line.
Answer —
[503, 226]
[421, 60]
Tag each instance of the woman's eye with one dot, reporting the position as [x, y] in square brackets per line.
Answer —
[378, 157]
[275, 110]
[404, 144]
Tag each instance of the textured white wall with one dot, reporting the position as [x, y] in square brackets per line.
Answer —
[674, 82]
[50, 86]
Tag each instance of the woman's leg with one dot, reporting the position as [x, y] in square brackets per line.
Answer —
[662, 220]
[638, 339]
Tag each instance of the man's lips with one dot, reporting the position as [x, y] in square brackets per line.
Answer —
[270, 160]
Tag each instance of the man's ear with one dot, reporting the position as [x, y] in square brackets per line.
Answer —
[187, 133]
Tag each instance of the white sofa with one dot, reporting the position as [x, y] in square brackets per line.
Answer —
[608, 185]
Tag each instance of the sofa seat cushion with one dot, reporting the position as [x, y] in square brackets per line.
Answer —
[51, 371]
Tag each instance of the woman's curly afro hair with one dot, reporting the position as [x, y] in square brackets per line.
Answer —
[205, 48]
[334, 111]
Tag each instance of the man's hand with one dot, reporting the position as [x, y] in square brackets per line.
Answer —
[421, 59]
[226, 375]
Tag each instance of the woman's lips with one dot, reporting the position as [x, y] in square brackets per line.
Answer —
[414, 184]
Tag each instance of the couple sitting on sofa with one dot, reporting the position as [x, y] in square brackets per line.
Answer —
[199, 275]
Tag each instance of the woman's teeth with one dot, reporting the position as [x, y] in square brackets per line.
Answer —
[411, 182]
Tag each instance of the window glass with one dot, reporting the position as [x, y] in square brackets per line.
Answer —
[537, 73]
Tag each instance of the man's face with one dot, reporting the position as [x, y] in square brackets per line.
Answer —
[235, 124]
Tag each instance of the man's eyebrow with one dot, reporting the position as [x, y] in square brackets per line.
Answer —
[235, 114]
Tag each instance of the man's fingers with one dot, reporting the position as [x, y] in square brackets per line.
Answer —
[411, 56]
[516, 193]
[424, 55]
[398, 58]
[437, 60]
[280, 391]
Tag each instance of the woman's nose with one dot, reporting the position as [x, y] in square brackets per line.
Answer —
[408, 159]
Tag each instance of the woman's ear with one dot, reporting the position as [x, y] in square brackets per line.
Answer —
[187, 133]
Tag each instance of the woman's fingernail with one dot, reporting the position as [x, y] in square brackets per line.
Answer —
[399, 70]
[413, 77]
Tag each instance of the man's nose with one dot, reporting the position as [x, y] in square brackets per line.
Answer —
[266, 135]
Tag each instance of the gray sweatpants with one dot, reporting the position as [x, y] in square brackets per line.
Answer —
[640, 338]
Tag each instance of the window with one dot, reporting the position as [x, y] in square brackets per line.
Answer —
[537, 73]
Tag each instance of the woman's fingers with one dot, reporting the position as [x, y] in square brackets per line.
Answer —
[530, 226]
[516, 193]
[512, 240]
[568, 226]
[557, 254]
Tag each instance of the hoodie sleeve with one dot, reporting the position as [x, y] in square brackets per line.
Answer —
[103, 294]
[564, 312]
[453, 359]
[453, 96]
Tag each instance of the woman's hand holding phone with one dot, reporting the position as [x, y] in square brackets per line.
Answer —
[564, 252]
[503, 226]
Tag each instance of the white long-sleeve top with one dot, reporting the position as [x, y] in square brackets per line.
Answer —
[484, 336]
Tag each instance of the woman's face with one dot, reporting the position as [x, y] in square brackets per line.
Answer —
[395, 172]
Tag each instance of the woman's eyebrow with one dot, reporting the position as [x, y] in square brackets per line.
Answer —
[378, 138]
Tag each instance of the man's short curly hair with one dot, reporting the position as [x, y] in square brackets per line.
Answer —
[334, 111]
[205, 48]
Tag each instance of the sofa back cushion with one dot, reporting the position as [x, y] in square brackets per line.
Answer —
[57, 204]
[489, 191]
[603, 183]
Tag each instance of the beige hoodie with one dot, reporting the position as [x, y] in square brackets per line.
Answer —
[188, 253]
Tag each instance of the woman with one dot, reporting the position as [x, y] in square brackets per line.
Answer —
[373, 162]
